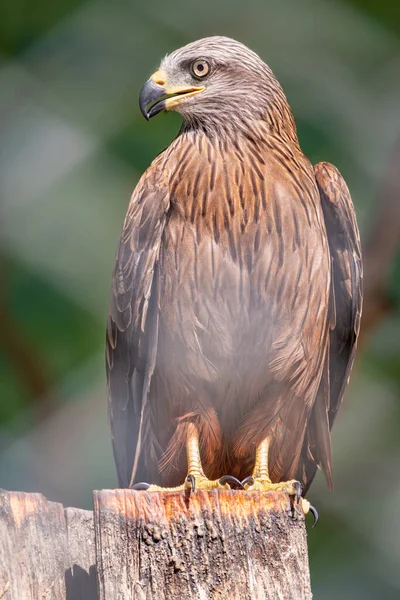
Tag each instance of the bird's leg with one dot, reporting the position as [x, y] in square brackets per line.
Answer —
[196, 478]
[261, 481]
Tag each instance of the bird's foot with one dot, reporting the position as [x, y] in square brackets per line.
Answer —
[260, 481]
[264, 484]
[193, 482]
[309, 508]
[291, 487]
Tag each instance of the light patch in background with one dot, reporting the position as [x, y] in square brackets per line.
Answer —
[40, 147]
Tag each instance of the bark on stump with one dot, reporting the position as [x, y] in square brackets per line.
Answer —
[209, 545]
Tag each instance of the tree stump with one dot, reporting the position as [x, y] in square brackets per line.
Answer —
[213, 544]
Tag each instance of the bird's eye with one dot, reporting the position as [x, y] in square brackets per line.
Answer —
[200, 68]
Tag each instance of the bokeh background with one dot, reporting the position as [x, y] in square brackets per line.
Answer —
[72, 146]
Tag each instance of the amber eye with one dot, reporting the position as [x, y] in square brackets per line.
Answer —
[200, 68]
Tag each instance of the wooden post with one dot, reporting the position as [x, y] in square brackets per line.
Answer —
[153, 546]
[46, 552]
[209, 545]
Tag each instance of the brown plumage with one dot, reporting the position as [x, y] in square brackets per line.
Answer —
[236, 293]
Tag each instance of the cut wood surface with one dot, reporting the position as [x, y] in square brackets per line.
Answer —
[212, 544]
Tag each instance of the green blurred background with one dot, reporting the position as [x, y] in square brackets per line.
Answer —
[73, 145]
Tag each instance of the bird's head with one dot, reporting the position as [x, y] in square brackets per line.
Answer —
[215, 80]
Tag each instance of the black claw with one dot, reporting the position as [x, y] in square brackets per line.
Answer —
[297, 487]
[249, 480]
[192, 480]
[142, 485]
[314, 513]
[231, 479]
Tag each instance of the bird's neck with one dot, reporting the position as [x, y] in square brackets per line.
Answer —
[280, 121]
[277, 122]
[276, 126]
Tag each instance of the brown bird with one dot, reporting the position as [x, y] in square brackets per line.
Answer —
[236, 293]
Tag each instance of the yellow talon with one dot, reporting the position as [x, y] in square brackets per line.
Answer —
[264, 484]
[196, 479]
[260, 479]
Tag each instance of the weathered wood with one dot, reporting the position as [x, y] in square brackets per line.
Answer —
[153, 546]
[210, 545]
[80, 576]
[46, 552]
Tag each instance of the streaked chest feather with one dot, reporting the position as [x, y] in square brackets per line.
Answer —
[243, 251]
[244, 200]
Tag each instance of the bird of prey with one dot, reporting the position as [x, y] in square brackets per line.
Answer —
[237, 289]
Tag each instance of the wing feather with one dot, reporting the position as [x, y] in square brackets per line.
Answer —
[132, 328]
[345, 314]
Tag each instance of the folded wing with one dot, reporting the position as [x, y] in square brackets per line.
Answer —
[345, 315]
[132, 326]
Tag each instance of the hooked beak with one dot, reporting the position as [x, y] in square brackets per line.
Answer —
[155, 96]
